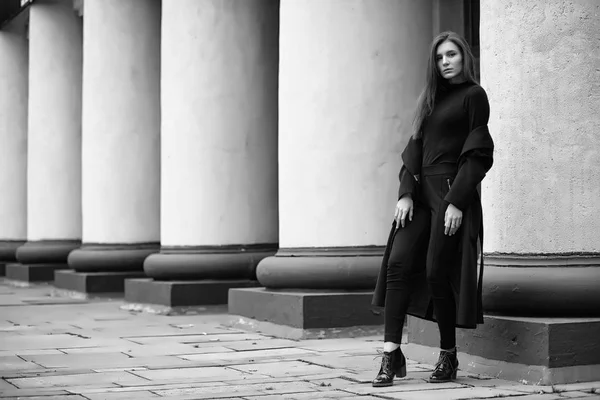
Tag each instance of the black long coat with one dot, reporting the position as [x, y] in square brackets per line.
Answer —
[466, 281]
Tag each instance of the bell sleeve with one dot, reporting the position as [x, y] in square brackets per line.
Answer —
[407, 183]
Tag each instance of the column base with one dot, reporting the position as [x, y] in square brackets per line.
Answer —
[111, 257]
[98, 283]
[33, 272]
[540, 351]
[182, 293]
[326, 268]
[208, 262]
[305, 308]
[46, 251]
[8, 253]
[542, 285]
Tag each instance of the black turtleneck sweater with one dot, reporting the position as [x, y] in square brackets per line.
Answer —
[458, 109]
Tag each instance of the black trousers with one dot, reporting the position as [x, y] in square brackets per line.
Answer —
[425, 230]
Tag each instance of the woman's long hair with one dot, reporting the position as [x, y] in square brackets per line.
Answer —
[427, 97]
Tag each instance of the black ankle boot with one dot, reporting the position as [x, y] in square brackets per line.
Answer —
[446, 367]
[393, 364]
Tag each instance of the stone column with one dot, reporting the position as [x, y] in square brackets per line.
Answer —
[540, 199]
[13, 136]
[120, 144]
[218, 150]
[350, 74]
[54, 141]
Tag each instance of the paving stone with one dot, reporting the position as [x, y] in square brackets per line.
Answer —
[332, 394]
[175, 349]
[75, 360]
[326, 345]
[97, 350]
[284, 368]
[42, 342]
[504, 385]
[142, 394]
[458, 393]
[149, 332]
[576, 395]
[29, 352]
[333, 383]
[152, 386]
[138, 350]
[78, 380]
[239, 357]
[249, 388]
[46, 372]
[401, 385]
[312, 379]
[220, 392]
[108, 360]
[357, 363]
[261, 344]
[542, 396]
[120, 369]
[5, 386]
[58, 397]
[28, 393]
[361, 398]
[184, 373]
[14, 363]
[585, 386]
[196, 339]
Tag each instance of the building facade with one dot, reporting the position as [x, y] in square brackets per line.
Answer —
[176, 150]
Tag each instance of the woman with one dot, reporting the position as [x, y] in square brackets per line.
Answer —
[430, 264]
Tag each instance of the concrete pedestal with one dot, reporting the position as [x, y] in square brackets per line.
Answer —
[305, 309]
[540, 351]
[94, 283]
[309, 288]
[33, 272]
[182, 293]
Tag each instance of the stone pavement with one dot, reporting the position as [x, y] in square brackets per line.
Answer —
[57, 347]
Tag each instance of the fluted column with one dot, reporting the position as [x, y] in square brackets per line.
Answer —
[218, 139]
[350, 74]
[540, 200]
[121, 143]
[13, 136]
[54, 134]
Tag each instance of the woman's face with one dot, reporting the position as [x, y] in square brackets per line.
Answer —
[449, 61]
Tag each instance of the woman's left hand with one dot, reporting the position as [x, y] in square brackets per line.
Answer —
[452, 220]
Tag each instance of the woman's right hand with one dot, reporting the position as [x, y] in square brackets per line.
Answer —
[404, 209]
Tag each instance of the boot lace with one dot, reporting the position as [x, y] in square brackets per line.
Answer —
[444, 363]
[386, 362]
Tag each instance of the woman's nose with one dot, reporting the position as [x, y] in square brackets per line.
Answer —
[445, 61]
